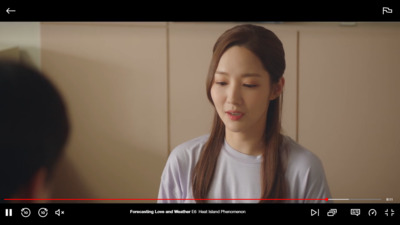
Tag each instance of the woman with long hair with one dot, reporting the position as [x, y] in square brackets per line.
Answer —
[245, 158]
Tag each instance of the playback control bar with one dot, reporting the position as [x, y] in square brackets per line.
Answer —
[55, 213]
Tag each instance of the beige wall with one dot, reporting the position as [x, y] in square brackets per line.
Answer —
[349, 108]
[114, 79]
[136, 90]
[24, 36]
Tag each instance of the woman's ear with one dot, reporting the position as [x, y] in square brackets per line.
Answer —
[277, 89]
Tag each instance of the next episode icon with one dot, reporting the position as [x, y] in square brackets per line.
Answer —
[314, 212]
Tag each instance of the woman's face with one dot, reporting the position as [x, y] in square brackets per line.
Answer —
[241, 91]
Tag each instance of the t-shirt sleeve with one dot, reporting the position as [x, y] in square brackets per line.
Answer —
[175, 186]
[170, 190]
[317, 185]
[306, 177]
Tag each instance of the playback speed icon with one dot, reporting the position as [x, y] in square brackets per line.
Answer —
[372, 212]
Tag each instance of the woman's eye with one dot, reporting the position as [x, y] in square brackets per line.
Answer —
[221, 83]
[250, 85]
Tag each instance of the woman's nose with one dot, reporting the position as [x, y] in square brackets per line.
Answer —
[234, 95]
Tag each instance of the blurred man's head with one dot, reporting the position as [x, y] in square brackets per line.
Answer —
[34, 128]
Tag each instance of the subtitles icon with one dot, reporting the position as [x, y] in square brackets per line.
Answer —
[355, 212]
[386, 10]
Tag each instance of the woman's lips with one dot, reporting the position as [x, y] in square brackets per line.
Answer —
[234, 115]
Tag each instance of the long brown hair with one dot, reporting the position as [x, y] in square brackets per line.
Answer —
[269, 49]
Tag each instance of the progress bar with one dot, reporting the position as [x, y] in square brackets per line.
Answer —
[355, 199]
[156, 199]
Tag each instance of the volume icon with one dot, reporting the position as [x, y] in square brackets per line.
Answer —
[8, 212]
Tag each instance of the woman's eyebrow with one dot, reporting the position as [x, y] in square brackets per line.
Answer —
[251, 75]
[243, 75]
[221, 72]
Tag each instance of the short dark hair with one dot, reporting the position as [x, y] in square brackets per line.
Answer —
[34, 125]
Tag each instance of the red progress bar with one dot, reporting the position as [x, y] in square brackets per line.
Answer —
[155, 199]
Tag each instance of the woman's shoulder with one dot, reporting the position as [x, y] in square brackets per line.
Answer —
[299, 158]
[305, 173]
[189, 149]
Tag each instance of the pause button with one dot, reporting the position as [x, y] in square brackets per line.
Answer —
[8, 212]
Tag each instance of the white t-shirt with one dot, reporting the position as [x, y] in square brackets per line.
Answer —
[237, 175]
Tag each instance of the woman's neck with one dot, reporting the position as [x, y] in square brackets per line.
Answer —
[246, 143]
